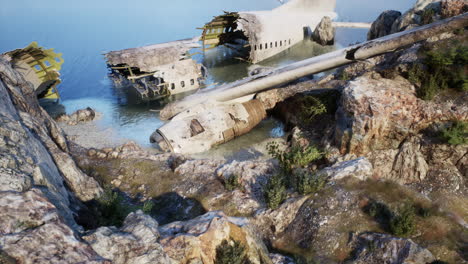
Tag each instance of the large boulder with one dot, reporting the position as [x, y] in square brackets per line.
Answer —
[324, 33]
[196, 240]
[381, 248]
[32, 231]
[416, 15]
[80, 116]
[135, 242]
[383, 25]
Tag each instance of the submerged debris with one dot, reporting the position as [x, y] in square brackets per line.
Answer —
[157, 71]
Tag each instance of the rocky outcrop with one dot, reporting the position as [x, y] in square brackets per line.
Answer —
[383, 25]
[417, 16]
[378, 114]
[40, 184]
[196, 240]
[80, 116]
[32, 231]
[135, 242]
[359, 168]
[324, 33]
[382, 248]
[33, 143]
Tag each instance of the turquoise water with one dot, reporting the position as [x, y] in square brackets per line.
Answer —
[84, 30]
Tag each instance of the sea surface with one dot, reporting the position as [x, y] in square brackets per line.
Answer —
[84, 30]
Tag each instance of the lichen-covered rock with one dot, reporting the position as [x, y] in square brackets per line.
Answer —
[135, 242]
[196, 240]
[377, 118]
[32, 231]
[33, 143]
[359, 168]
[280, 259]
[381, 248]
[413, 17]
[80, 116]
[324, 33]
[383, 25]
[450, 8]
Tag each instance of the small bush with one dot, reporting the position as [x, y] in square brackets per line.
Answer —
[275, 192]
[147, 207]
[456, 134]
[231, 252]
[444, 67]
[112, 208]
[311, 107]
[295, 157]
[427, 16]
[307, 182]
[232, 183]
[403, 223]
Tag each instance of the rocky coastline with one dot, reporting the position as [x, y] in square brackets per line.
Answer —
[374, 171]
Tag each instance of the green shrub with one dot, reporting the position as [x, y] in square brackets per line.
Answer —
[147, 207]
[311, 107]
[275, 192]
[232, 183]
[427, 16]
[111, 208]
[403, 223]
[456, 134]
[307, 182]
[231, 252]
[295, 157]
[444, 67]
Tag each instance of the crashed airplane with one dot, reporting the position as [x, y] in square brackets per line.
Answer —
[160, 70]
[40, 67]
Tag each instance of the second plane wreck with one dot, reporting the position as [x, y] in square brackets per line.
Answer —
[165, 69]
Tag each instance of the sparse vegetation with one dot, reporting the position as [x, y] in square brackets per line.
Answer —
[403, 224]
[427, 16]
[292, 174]
[400, 223]
[232, 183]
[456, 134]
[111, 209]
[295, 157]
[231, 252]
[307, 182]
[443, 67]
[275, 192]
[313, 106]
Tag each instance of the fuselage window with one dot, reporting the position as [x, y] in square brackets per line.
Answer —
[182, 83]
[172, 86]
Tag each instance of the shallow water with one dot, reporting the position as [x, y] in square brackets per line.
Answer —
[84, 30]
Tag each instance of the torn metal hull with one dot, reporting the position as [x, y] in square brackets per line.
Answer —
[157, 71]
[40, 67]
[209, 125]
[265, 34]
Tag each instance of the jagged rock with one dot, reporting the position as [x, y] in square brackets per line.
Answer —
[324, 33]
[32, 231]
[135, 242]
[280, 259]
[377, 118]
[450, 8]
[252, 175]
[80, 116]
[34, 144]
[381, 248]
[412, 18]
[377, 114]
[383, 25]
[272, 223]
[359, 168]
[196, 240]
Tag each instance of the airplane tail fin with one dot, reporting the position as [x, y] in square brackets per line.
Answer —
[309, 6]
